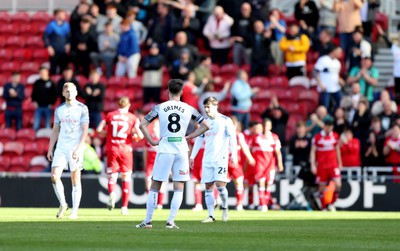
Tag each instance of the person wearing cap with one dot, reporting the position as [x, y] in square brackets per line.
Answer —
[326, 162]
[366, 75]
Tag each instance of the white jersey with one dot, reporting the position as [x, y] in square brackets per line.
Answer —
[219, 141]
[70, 118]
[174, 118]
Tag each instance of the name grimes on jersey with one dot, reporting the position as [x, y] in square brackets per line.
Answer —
[173, 108]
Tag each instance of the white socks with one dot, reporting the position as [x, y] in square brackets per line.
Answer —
[175, 205]
[209, 197]
[59, 190]
[223, 193]
[76, 197]
[151, 204]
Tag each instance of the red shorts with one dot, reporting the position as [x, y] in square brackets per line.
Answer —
[198, 162]
[119, 161]
[249, 175]
[324, 175]
[151, 157]
[262, 172]
[235, 172]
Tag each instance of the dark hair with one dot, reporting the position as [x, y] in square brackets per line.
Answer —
[175, 86]
[14, 73]
[328, 32]
[332, 48]
[210, 100]
[56, 11]
[358, 29]
[267, 120]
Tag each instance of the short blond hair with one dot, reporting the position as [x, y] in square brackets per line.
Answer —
[123, 102]
[67, 84]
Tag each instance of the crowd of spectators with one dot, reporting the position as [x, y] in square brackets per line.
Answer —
[121, 38]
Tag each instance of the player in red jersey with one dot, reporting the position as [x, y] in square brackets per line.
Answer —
[391, 148]
[266, 150]
[149, 157]
[196, 177]
[248, 169]
[326, 162]
[122, 126]
[236, 172]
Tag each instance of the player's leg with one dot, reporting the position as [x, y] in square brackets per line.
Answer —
[58, 164]
[337, 179]
[112, 174]
[270, 179]
[262, 206]
[196, 177]
[160, 199]
[322, 180]
[180, 174]
[207, 177]
[75, 166]
[126, 164]
[223, 193]
[239, 192]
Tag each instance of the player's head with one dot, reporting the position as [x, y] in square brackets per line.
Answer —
[328, 125]
[267, 125]
[258, 127]
[175, 87]
[123, 103]
[211, 106]
[69, 91]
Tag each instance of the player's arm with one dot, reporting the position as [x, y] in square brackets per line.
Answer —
[339, 156]
[136, 130]
[195, 150]
[246, 151]
[204, 126]
[143, 128]
[278, 154]
[53, 140]
[100, 127]
[312, 159]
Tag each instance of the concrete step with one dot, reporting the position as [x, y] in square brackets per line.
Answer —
[383, 64]
[383, 58]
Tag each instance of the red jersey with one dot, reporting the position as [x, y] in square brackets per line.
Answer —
[393, 157]
[350, 153]
[326, 149]
[119, 129]
[188, 96]
[263, 148]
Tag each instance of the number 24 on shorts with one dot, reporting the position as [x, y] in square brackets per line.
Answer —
[221, 170]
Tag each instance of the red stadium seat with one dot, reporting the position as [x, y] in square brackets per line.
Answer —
[30, 67]
[15, 42]
[27, 119]
[56, 78]
[26, 133]
[7, 134]
[13, 149]
[215, 70]
[265, 95]
[34, 42]
[287, 95]
[228, 70]
[40, 17]
[33, 149]
[135, 81]
[276, 70]
[22, 55]
[297, 109]
[82, 80]
[2, 41]
[27, 29]
[279, 81]
[6, 55]
[261, 82]
[4, 163]
[117, 81]
[9, 30]
[110, 106]
[38, 164]
[5, 18]
[3, 79]
[20, 164]
[20, 17]
[309, 98]
[300, 81]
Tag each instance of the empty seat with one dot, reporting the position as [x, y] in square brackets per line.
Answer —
[13, 149]
[7, 134]
[117, 81]
[20, 164]
[26, 133]
[215, 69]
[9, 30]
[287, 95]
[22, 55]
[266, 95]
[34, 42]
[228, 70]
[279, 81]
[6, 54]
[136, 81]
[20, 17]
[38, 164]
[30, 67]
[300, 81]
[4, 163]
[5, 18]
[261, 82]
[40, 17]
[15, 42]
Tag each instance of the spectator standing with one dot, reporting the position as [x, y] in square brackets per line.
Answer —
[67, 76]
[128, 52]
[361, 122]
[261, 57]
[218, 31]
[348, 19]
[152, 65]
[367, 76]
[295, 47]
[111, 16]
[14, 95]
[329, 82]
[81, 10]
[107, 42]
[278, 27]
[260, 8]
[324, 42]
[93, 93]
[307, 13]
[241, 94]
[161, 30]
[44, 96]
[57, 39]
[350, 149]
[137, 26]
[359, 48]
[239, 32]
[327, 16]
[84, 42]
[175, 51]
[189, 24]
[387, 116]
[368, 11]
[96, 17]
[279, 118]
[391, 148]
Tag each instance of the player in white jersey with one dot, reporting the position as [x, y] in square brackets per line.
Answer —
[71, 123]
[219, 140]
[174, 117]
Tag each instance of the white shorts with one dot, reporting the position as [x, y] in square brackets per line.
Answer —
[214, 172]
[63, 158]
[165, 163]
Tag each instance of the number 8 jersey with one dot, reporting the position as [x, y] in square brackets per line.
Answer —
[174, 117]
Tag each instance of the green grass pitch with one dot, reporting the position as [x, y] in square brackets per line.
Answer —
[99, 229]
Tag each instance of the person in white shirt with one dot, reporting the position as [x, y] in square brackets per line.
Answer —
[327, 75]
[71, 123]
[172, 156]
[219, 141]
